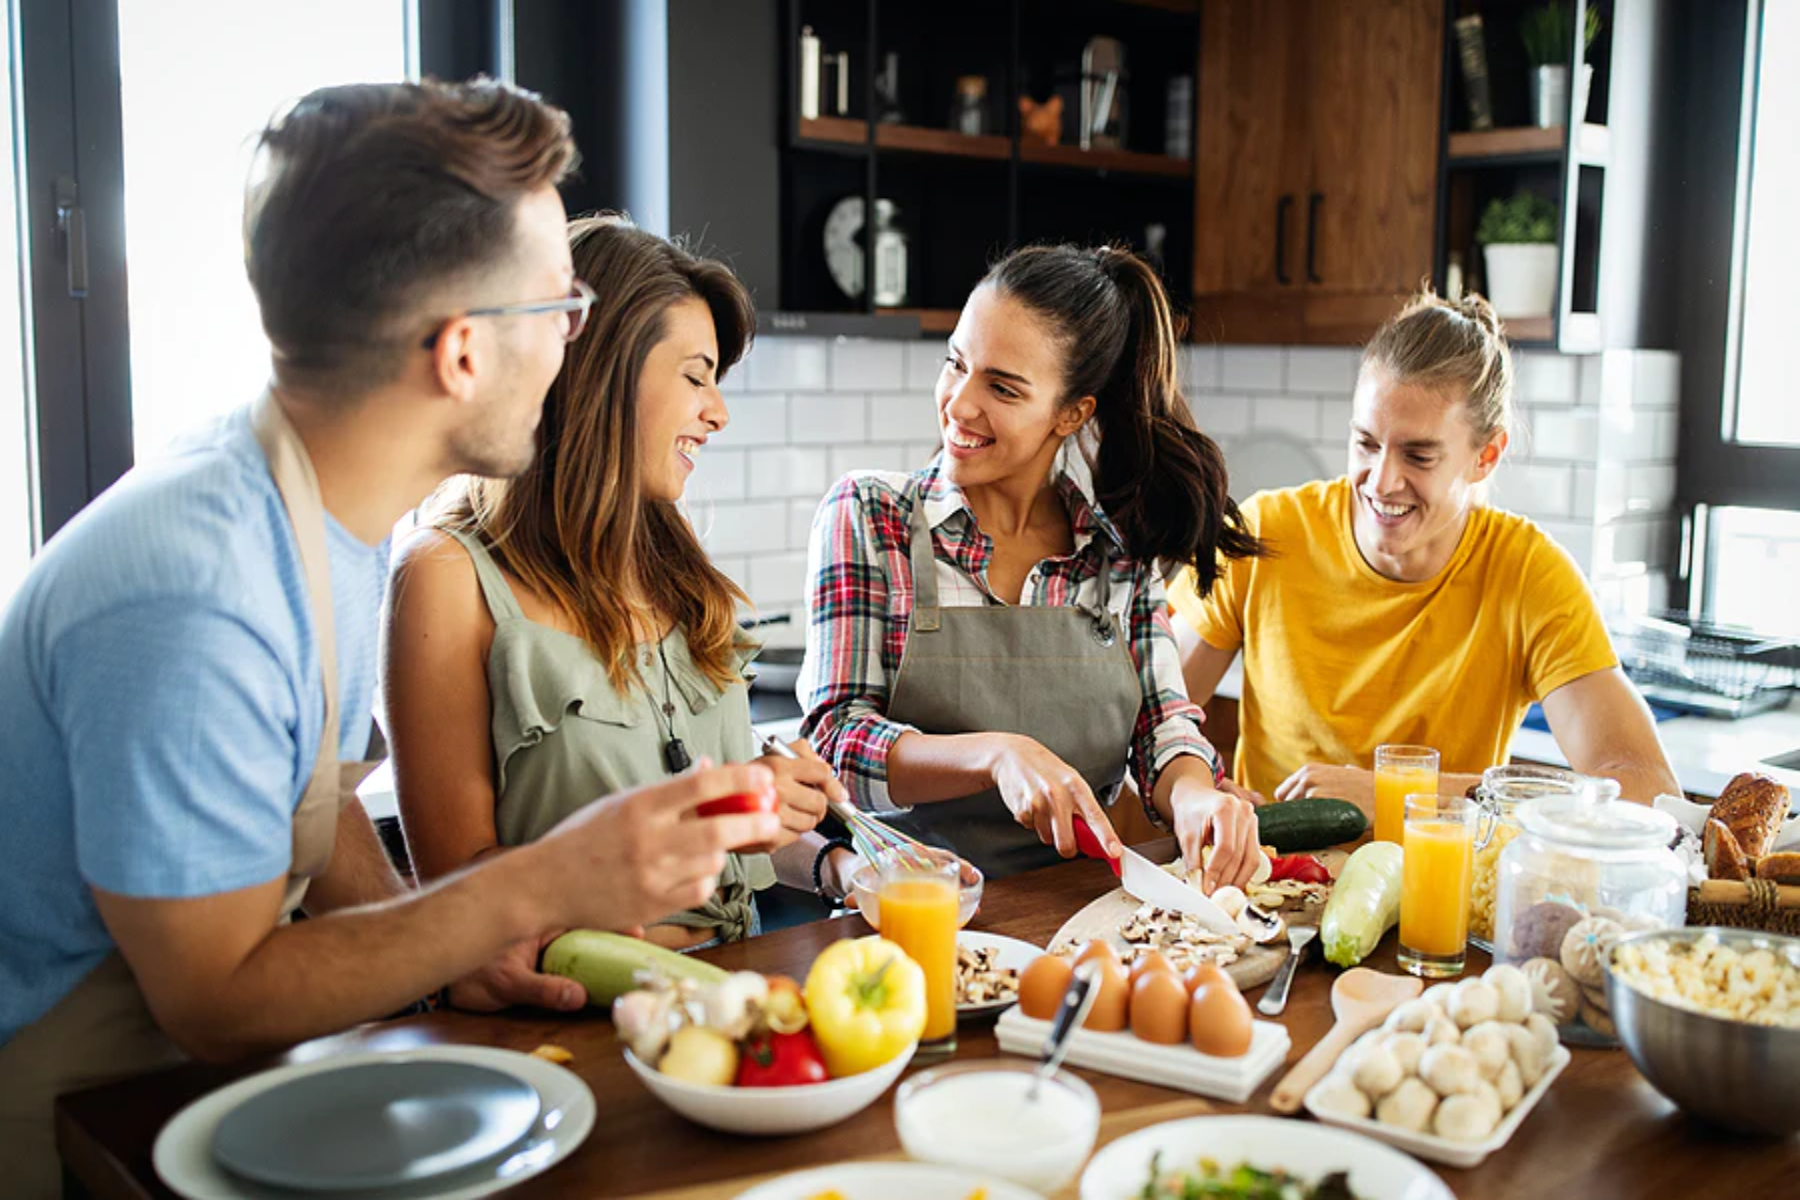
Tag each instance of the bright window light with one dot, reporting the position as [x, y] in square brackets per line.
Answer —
[16, 504]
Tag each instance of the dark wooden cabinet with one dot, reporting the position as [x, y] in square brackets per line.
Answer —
[1316, 202]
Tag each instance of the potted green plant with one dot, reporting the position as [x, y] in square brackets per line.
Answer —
[1518, 239]
[1548, 32]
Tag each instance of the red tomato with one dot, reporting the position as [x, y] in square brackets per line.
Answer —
[742, 802]
[781, 1060]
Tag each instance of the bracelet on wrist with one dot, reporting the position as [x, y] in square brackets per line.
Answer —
[818, 867]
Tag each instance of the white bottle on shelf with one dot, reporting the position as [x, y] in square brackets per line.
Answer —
[809, 73]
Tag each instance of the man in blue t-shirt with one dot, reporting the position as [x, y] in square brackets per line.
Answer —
[161, 707]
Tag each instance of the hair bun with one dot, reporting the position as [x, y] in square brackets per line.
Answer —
[1475, 307]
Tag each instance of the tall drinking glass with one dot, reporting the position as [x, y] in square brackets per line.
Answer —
[1401, 771]
[919, 914]
[1434, 890]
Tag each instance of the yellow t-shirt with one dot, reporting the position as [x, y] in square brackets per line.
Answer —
[1339, 659]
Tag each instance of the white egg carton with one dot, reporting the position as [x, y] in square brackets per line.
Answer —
[1130, 1057]
[1441, 1149]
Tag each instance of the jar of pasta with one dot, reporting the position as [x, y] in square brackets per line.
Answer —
[1499, 793]
[1578, 875]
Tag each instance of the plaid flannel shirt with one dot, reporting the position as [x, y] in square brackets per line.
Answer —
[860, 602]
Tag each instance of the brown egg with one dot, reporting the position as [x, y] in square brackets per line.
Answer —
[1042, 985]
[1114, 1002]
[1204, 972]
[1159, 1008]
[1152, 961]
[1219, 1021]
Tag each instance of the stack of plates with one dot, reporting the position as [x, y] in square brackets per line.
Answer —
[1181, 1067]
[445, 1122]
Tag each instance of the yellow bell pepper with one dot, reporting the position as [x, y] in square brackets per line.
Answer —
[867, 1003]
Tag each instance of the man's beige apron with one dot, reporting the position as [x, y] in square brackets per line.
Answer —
[103, 1030]
[1061, 675]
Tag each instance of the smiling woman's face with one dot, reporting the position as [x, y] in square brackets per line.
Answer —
[1415, 463]
[678, 402]
[1000, 393]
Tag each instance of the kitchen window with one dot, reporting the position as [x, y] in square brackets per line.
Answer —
[1740, 455]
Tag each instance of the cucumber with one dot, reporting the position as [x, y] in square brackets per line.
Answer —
[607, 964]
[1293, 826]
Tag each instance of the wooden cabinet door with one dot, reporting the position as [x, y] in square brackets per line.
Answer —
[1252, 169]
[1374, 72]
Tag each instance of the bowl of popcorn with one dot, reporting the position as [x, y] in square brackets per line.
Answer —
[1711, 1016]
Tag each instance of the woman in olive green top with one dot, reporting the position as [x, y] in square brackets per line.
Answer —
[561, 636]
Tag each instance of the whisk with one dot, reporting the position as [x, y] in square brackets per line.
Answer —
[875, 840]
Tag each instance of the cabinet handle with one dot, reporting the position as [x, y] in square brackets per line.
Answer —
[71, 223]
[1312, 235]
[1281, 211]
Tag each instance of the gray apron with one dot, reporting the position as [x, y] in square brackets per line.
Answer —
[1060, 675]
[103, 1030]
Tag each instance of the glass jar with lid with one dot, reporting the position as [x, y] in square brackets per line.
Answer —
[1500, 792]
[1579, 875]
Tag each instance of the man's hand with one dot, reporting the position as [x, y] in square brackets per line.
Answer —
[1205, 814]
[514, 979]
[638, 855]
[1232, 787]
[804, 784]
[1045, 794]
[1339, 783]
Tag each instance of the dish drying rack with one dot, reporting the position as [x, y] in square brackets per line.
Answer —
[1715, 670]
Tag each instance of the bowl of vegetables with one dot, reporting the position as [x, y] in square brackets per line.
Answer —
[764, 1056]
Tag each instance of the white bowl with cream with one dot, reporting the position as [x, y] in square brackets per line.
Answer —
[976, 1115]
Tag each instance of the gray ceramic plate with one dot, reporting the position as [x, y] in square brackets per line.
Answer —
[376, 1125]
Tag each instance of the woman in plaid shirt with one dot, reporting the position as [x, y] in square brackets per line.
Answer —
[987, 647]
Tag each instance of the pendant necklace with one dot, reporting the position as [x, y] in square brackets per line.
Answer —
[675, 755]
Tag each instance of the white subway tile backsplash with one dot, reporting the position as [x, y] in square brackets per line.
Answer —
[1221, 416]
[757, 419]
[1575, 537]
[1655, 379]
[1334, 422]
[845, 459]
[786, 364]
[858, 363]
[1589, 380]
[1628, 436]
[735, 566]
[831, 419]
[1582, 493]
[920, 454]
[754, 528]
[1202, 369]
[902, 417]
[1329, 370]
[788, 471]
[1538, 490]
[1561, 435]
[778, 579]
[718, 475]
[1250, 368]
[924, 362]
[799, 522]
[1649, 489]
[1284, 414]
[1546, 377]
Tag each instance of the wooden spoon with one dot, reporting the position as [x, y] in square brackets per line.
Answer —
[1360, 1000]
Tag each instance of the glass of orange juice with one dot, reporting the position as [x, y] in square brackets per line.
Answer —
[1401, 771]
[1439, 866]
[919, 913]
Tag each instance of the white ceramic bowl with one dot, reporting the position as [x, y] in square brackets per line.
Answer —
[865, 886]
[771, 1112]
[975, 1115]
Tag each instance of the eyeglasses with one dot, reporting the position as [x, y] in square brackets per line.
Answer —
[576, 304]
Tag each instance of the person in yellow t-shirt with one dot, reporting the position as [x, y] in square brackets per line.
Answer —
[1395, 607]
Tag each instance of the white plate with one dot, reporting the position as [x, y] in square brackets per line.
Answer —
[1308, 1151]
[1443, 1150]
[1014, 955]
[887, 1181]
[183, 1152]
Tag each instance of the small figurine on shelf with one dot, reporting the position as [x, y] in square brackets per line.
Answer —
[1041, 122]
[968, 113]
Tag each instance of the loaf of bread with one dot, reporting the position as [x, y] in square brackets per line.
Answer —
[1782, 867]
[1724, 857]
[1753, 808]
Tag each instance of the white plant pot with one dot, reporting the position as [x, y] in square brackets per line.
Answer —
[1521, 279]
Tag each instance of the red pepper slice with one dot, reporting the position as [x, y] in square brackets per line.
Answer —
[1300, 868]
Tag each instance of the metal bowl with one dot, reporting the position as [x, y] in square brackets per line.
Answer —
[1731, 1073]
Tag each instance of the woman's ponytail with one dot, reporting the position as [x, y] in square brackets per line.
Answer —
[1162, 482]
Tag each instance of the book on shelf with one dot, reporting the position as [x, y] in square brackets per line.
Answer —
[1471, 53]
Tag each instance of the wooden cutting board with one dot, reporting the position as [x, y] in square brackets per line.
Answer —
[1104, 917]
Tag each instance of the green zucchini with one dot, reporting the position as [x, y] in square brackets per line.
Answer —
[607, 964]
[1293, 826]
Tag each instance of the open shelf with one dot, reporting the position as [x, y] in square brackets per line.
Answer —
[841, 131]
[1125, 162]
[1529, 329]
[913, 139]
[931, 320]
[1528, 144]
